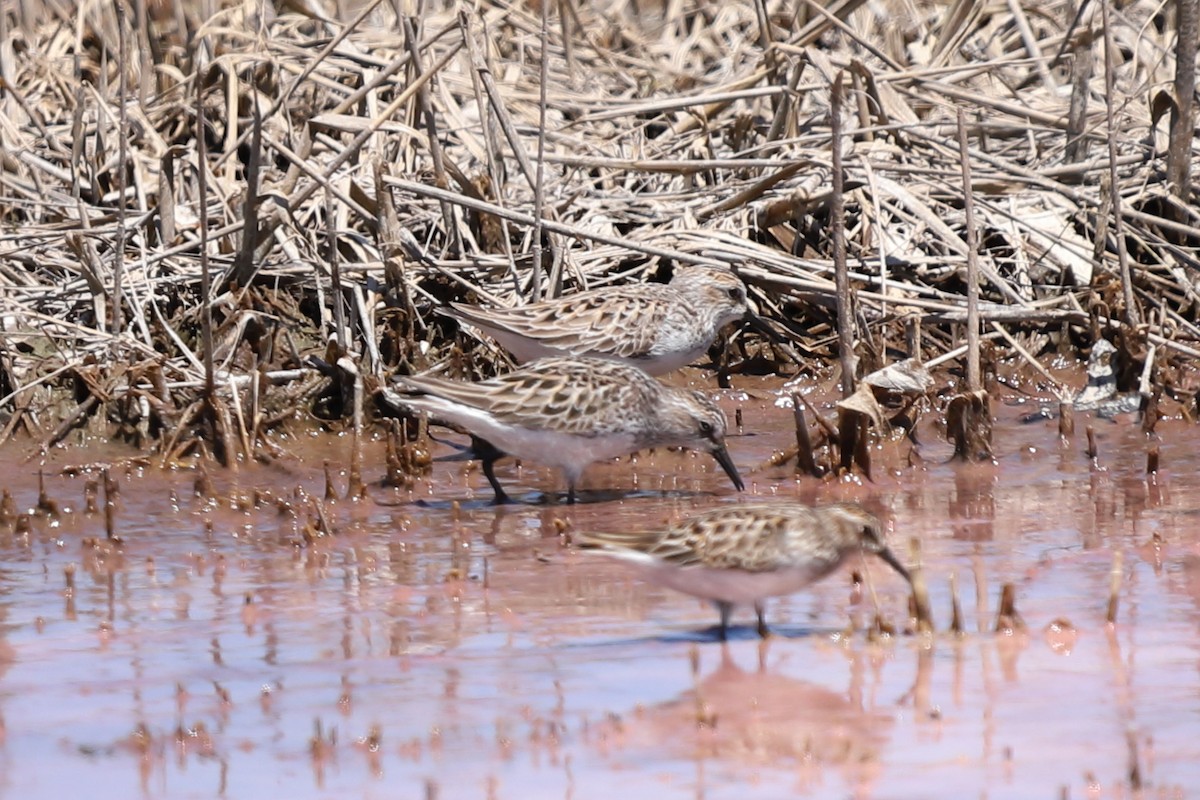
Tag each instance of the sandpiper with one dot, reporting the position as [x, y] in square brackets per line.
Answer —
[569, 413]
[657, 327]
[743, 554]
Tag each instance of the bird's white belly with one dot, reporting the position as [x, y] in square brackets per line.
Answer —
[568, 451]
[734, 585]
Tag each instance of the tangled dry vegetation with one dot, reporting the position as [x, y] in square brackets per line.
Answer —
[358, 168]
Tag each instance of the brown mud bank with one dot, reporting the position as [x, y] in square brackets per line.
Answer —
[268, 640]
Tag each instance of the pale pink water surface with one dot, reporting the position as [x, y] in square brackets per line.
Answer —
[465, 651]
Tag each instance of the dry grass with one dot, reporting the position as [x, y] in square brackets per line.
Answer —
[449, 160]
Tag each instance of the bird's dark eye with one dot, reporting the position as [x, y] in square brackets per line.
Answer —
[736, 294]
[706, 428]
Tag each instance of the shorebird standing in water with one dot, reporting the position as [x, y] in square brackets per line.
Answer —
[743, 554]
[569, 413]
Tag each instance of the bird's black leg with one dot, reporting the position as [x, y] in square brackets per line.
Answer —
[571, 493]
[501, 496]
[488, 454]
[726, 611]
[760, 610]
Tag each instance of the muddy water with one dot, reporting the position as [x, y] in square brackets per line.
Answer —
[436, 646]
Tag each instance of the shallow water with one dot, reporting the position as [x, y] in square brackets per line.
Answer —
[453, 649]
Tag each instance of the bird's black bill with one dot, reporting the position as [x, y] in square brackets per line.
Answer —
[893, 562]
[722, 457]
[762, 326]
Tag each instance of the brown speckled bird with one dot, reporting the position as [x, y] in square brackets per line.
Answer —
[655, 326]
[569, 413]
[743, 554]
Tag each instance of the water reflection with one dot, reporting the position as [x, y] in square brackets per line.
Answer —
[468, 649]
[972, 506]
[736, 721]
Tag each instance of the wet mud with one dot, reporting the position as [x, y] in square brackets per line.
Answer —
[269, 641]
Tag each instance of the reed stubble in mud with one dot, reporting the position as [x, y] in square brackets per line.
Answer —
[202, 485]
[1152, 456]
[1150, 414]
[956, 618]
[69, 610]
[46, 506]
[805, 462]
[91, 490]
[919, 608]
[331, 494]
[1066, 420]
[1008, 620]
[111, 492]
[408, 458]
[969, 415]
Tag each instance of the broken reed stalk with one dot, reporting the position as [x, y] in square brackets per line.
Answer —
[245, 261]
[355, 488]
[969, 416]
[202, 204]
[805, 462]
[211, 425]
[539, 184]
[335, 276]
[1114, 588]
[1082, 65]
[1149, 397]
[496, 101]
[434, 140]
[1179, 151]
[974, 379]
[852, 428]
[837, 233]
[1132, 317]
[122, 159]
